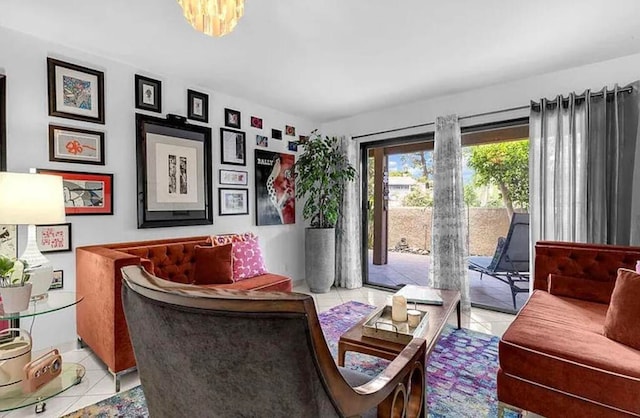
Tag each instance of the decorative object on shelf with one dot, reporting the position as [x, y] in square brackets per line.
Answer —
[9, 240]
[3, 122]
[232, 118]
[75, 92]
[322, 172]
[276, 134]
[262, 141]
[256, 122]
[173, 173]
[85, 193]
[15, 353]
[290, 130]
[30, 199]
[275, 188]
[213, 17]
[413, 317]
[197, 106]
[74, 145]
[148, 93]
[14, 287]
[58, 280]
[233, 201]
[233, 147]
[54, 238]
[399, 308]
[292, 146]
[234, 177]
[41, 371]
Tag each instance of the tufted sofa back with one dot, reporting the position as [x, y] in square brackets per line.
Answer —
[585, 261]
[174, 262]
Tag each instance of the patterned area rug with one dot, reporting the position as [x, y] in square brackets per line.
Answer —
[461, 371]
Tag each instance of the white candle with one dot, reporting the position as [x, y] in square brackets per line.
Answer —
[399, 308]
[414, 317]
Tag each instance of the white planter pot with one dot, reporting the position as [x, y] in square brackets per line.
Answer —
[15, 298]
[320, 258]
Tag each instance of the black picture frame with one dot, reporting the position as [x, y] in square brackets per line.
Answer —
[54, 238]
[148, 93]
[276, 134]
[226, 206]
[57, 281]
[197, 106]
[233, 147]
[3, 122]
[175, 199]
[233, 177]
[91, 84]
[232, 118]
[75, 145]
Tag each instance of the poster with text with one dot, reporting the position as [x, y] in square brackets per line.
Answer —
[275, 188]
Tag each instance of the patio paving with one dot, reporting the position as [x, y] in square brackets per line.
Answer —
[407, 268]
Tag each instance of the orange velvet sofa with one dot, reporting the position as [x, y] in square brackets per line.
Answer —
[554, 359]
[100, 319]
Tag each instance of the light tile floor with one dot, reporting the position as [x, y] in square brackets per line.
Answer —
[98, 383]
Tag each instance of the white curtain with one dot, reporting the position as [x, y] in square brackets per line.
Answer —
[449, 232]
[584, 168]
[348, 229]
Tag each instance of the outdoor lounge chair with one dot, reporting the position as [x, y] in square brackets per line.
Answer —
[510, 262]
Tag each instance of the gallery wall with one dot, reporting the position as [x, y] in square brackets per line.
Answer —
[24, 61]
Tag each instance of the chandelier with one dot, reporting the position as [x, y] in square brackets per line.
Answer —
[213, 17]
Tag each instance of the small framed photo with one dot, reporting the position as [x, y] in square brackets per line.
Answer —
[232, 118]
[234, 177]
[233, 147]
[290, 130]
[75, 92]
[233, 201]
[197, 106]
[292, 146]
[58, 280]
[148, 93]
[74, 145]
[9, 240]
[256, 122]
[303, 138]
[262, 141]
[276, 134]
[85, 193]
[53, 238]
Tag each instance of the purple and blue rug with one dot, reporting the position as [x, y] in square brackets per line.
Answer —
[461, 371]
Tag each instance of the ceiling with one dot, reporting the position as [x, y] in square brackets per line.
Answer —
[330, 59]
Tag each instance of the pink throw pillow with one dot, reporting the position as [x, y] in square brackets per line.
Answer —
[247, 260]
[638, 267]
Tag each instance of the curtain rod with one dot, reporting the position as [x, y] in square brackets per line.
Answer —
[628, 89]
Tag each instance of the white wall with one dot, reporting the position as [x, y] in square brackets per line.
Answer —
[23, 59]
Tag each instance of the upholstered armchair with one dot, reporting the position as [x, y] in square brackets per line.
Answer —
[228, 353]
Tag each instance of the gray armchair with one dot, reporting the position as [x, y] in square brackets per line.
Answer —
[205, 352]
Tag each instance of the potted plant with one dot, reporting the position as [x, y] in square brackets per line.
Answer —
[14, 287]
[322, 171]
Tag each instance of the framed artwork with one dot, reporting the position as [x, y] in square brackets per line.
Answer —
[233, 201]
[276, 134]
[58, 280]
[275, 188]
[256, 122]
[303, 138]
[234, 177]
[148, 93]
[85, 193]
[173, 173]
[75, 92]
[262, 141]
[290, 130]
[232, 118]
[74, 145]
[197, 106]
[9, 240]
[3, 123]
[233, 147]
[53, 238]
[292, 146]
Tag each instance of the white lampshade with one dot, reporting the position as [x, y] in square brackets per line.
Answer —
[31, 199]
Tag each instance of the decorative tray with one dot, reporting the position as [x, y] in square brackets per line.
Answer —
[380, 325]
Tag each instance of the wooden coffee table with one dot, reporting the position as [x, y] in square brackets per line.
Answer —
[353, 340]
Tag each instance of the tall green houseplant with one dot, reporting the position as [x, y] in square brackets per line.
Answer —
[322, 171]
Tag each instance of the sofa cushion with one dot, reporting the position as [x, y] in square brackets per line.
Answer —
[585, 289]
[269, 282]
[213, 265]
[230, 238]
[622, 321]
[558, 342]
[247, 260]
[172, 261]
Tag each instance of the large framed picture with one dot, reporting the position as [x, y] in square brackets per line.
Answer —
[173, 173]
[275, 188]
[75, 92]
[148, 93]
[233, 147]
[9, 240]
[74, 145]
[233, 201]
[53, 238]
[197, 106]
[85, 193]
[234, 177]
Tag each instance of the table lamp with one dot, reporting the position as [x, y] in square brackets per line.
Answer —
[32, 199]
